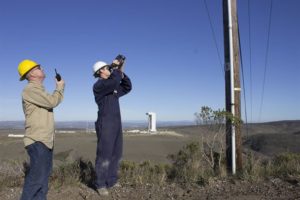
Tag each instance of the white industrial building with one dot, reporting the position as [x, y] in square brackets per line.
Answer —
[151, 122]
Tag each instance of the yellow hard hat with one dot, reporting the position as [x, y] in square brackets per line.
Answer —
[24, 67]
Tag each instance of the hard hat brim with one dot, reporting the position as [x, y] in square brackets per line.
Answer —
[22, 78]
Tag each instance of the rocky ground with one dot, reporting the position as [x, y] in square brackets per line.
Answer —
[233, 190]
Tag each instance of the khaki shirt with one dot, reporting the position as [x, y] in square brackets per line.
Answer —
[38, 109]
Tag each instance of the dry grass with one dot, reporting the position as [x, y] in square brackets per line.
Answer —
[188, 166]
[11, 174]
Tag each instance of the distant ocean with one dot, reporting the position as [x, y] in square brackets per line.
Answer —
[90, 124]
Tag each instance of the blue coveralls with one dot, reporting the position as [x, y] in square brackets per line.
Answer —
[108, 127]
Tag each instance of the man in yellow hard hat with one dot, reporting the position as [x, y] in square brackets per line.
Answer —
[39, 128]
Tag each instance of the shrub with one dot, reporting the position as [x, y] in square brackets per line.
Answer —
[254, 169]
[188, 166]
[286, 164]
[66, 174]
[143, 173]
[281, 166]
[11, 174]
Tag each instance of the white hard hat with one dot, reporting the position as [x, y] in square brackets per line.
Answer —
[98, 65]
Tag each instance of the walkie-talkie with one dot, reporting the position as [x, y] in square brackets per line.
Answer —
[57, 76]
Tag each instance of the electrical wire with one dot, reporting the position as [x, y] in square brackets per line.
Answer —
[250, 61]
[214, 38]
[266, 61]
[243, 78]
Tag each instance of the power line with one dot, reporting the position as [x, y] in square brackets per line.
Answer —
[250, 59]
[243, 78]
[214, 37]
[266, 61]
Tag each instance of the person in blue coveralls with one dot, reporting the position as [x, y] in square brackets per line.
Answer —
[112, 84]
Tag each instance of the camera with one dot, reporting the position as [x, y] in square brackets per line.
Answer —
[121, 60]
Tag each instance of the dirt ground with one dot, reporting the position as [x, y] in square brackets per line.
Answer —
[155, 148]
[274, 189]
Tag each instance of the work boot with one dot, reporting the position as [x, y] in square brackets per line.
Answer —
[103, 191]
[117, 185]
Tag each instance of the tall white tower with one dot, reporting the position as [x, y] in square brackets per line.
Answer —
[151, 122]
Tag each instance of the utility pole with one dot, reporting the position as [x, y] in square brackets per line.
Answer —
[232, 86]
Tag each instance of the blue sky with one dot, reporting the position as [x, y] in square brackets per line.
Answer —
[171, 55]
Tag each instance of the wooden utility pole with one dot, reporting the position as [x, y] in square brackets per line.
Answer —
[232, 86]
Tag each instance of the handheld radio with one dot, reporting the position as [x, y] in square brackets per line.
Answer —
[57, 76]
